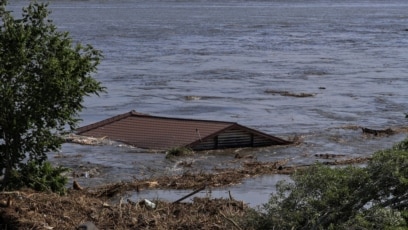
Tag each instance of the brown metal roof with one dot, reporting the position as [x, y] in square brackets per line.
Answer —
[153, 132]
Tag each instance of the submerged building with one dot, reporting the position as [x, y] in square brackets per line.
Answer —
[161, 133]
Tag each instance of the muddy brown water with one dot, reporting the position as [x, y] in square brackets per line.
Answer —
[317, 70]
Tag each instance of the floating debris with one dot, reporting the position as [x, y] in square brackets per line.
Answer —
[192, 98]
[357, 160]
[289, 94]
[328, 155]
[239, 156]
[60, 155]
[73, 138]
[377, 132]
[185, 163]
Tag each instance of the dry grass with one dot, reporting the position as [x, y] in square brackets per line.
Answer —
[32, 210]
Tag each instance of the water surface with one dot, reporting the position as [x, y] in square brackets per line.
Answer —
[230, 55]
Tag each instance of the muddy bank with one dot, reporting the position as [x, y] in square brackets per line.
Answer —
[32, 210]
[106, 207]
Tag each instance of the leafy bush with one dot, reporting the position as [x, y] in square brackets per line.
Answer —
[403, 145]
[44, 77]
[40, 177]
[321, 197]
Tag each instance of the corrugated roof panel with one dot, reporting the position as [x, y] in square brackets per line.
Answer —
[152, 132]
[156, 132]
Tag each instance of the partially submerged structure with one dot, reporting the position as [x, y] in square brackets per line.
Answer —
[154, 132]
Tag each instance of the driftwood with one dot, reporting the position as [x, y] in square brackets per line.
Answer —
[239, 156]
[76, 186]
[357, 160]
[190, 194]
[290, 94]
[377, 132]
[328, 155]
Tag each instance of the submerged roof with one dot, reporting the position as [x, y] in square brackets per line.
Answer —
[153, 132]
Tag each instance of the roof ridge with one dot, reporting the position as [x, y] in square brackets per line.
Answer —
[138, 114]
[134, 113]
[104, 122]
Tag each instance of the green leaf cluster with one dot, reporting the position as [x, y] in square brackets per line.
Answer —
[352, 197]
[40, 177]
[44, 78]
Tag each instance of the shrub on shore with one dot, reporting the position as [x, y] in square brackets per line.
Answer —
[40, 177]
[352, 197]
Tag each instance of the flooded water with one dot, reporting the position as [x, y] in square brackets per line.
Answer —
[233, 57]
[254, 192]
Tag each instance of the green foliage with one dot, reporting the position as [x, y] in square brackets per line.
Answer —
[40, 177]
[322, 197]
[403, 146]
[178, 151]
[43, 80]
